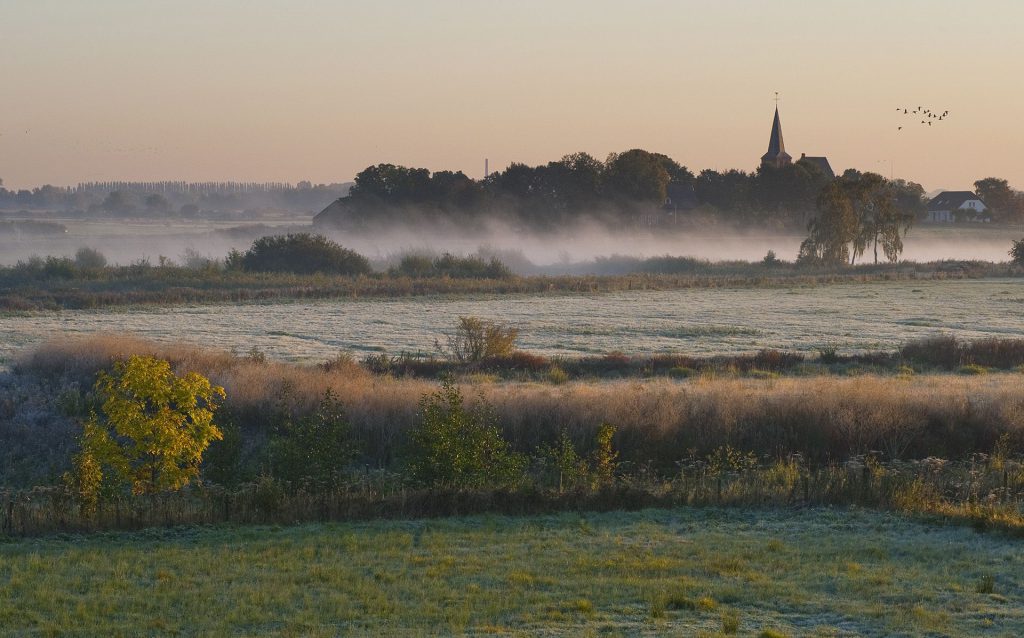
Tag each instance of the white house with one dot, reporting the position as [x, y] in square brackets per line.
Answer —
[951, 206]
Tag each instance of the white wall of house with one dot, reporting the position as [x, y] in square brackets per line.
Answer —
[976, 205]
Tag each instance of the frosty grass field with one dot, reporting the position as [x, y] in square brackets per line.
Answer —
[851, 317]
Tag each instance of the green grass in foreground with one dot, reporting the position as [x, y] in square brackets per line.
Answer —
[680, 572]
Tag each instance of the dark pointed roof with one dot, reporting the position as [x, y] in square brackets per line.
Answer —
[776, 147]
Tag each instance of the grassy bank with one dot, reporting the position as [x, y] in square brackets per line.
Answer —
[31, 290]
[684, 571]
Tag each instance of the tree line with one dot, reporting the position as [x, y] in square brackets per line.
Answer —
[628, 188]
[162, 200]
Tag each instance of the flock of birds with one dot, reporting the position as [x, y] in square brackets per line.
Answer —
[930, 116]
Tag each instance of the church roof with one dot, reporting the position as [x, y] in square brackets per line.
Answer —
[821, 162]
[776, 146]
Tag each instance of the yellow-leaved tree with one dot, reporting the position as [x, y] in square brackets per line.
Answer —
[152, 431]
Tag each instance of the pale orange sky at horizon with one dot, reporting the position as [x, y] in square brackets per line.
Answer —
[274, 91]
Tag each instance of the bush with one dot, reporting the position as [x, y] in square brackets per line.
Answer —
[458, 447]
[416, 266]
[90, 259]
[995, 353]
[561, 466]
[315, 448]
[828, 354]
[299, 253]
[59, 268]
[477, 339]
[1017, 252]
[941, 351]
[449, 265]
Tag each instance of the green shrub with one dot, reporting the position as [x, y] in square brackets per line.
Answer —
[605, 456]
[300, 253]
[973, 368]
[314, 449]
[458, 447]
[561, 466]
[222, 463]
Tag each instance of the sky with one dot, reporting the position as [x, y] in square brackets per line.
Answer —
[285, 91]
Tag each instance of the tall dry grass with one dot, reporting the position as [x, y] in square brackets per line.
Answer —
[660, 421]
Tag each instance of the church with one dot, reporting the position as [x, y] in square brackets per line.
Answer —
[777, 156]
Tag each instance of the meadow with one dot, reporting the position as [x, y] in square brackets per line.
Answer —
[851, 317]
[689, 571]
[836, 487]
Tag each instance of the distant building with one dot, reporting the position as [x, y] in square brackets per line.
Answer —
[777, 157]
[820, 162]
[953, 206]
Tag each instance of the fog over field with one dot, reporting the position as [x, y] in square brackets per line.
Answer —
[525, 252]
[851, 317]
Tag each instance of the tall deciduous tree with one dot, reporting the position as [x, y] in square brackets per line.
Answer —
[857, 211]
[152, 431]
[1006, 203]
[833, 230]
[637, 175]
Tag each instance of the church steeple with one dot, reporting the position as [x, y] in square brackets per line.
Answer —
[776, 155]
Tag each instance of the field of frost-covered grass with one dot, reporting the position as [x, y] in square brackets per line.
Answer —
[851, 317]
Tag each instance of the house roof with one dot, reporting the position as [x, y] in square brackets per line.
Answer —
[776, 145]
[951, 200]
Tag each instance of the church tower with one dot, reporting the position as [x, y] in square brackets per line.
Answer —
[776, 155]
